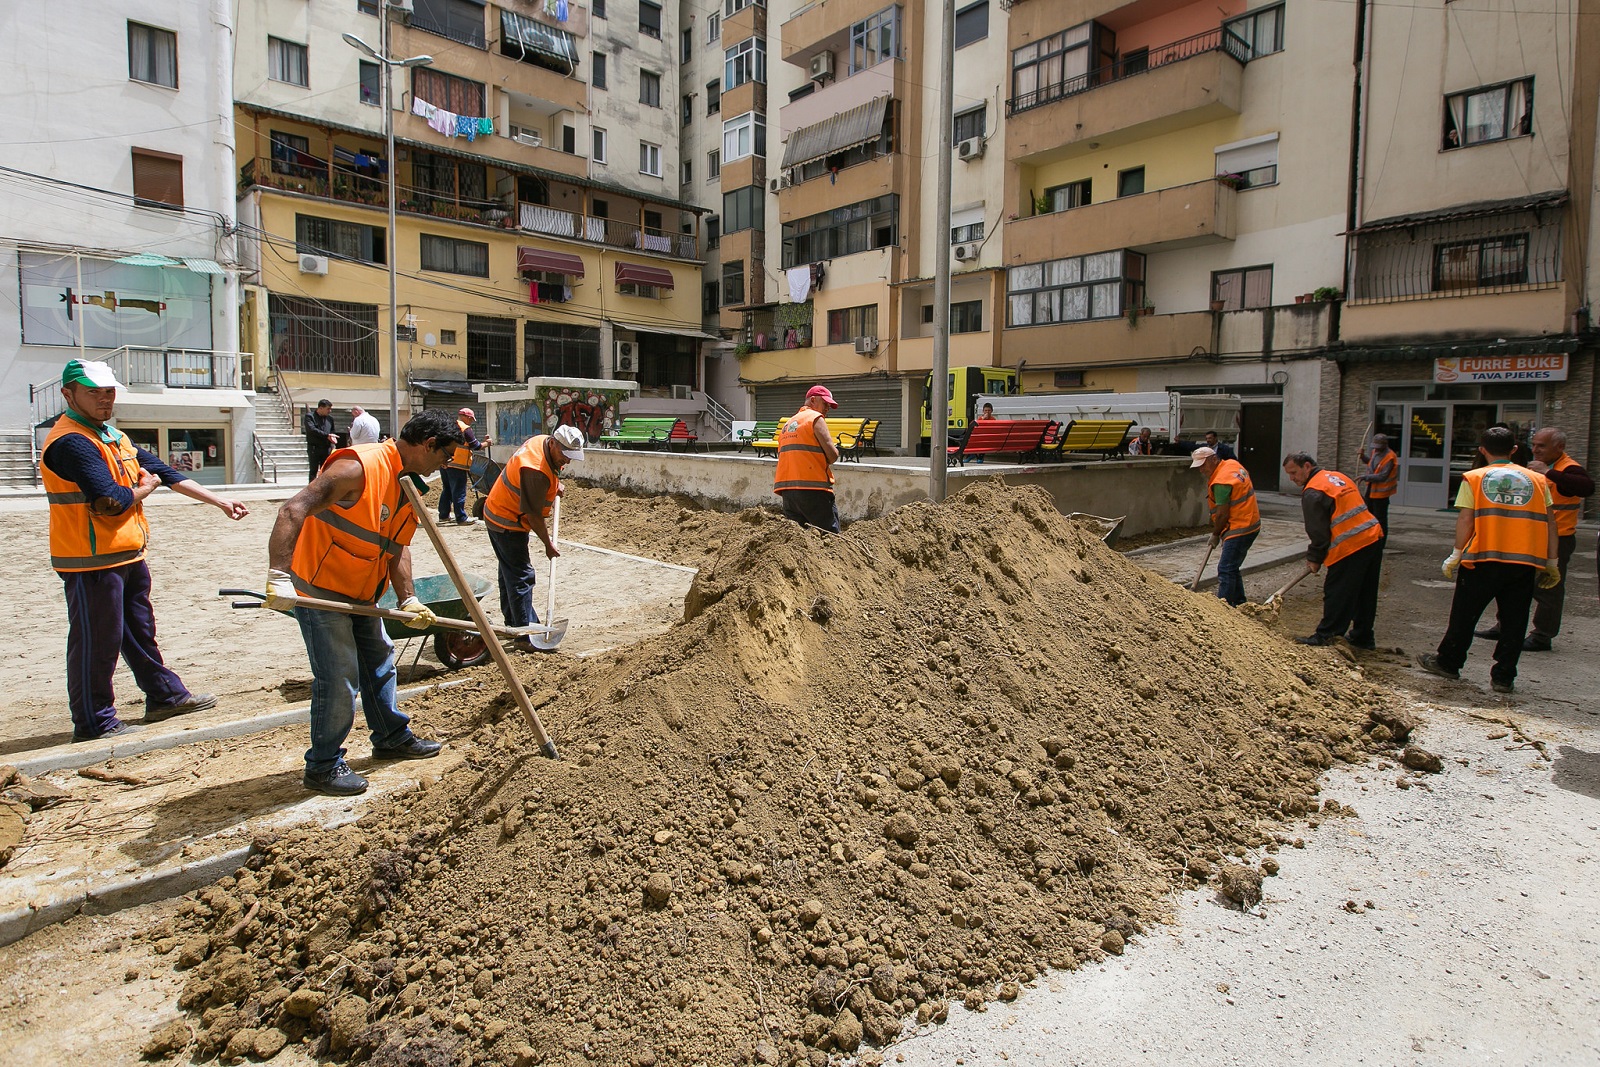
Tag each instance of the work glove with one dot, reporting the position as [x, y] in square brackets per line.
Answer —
[280, 591]
[1216, 539]
[1550, 575]
[1449, 567]
[425, 617]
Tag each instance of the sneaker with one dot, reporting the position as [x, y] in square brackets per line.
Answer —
[121, 729]
[468, 521]
[1430, 663]
[1503, 687]
[1536, 643]
[339, 781]
[192, 702]
[414, 747]
[1491, 634]
[1315, 640]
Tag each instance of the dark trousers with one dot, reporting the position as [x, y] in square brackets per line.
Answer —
[1548, 603]
[452, 493]
[317, 453]
[1230, 586]
[1379, 506]
[811, 507]
[516, 575]
[109, 614]
[1350, 595]
[1510, 586]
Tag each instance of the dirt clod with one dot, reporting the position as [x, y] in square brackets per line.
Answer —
[1240, 884]
[1420, 759]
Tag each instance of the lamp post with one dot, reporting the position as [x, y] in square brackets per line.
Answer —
[386, 101]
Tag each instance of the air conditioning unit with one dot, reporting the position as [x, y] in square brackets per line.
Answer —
[624, 362]
[821, 66]
[682, 392]
[866, 346]
[971, 148]
[531, 138]
[313, 264]
[966, 252]
[782, 181]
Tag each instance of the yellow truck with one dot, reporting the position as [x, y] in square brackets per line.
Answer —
[968, 388]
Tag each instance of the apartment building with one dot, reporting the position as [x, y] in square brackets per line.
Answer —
[541, 244]
[115, 229]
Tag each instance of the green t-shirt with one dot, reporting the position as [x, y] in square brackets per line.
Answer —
[1221, 494]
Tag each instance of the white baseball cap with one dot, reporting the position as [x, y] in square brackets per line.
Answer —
[570, 438]
[1200, 455]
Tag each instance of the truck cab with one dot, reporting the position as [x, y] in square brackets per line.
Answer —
[967, 386]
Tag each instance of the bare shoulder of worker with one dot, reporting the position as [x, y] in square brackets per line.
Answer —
[340, 482]
[821, 428]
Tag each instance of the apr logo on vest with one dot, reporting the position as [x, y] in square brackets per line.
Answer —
[383, 512]
[1508, 487]
[793, 426]
[1338, 480]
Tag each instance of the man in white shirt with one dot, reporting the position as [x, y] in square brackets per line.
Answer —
[363, 427]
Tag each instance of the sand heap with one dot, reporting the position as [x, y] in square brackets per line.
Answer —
[865, 776]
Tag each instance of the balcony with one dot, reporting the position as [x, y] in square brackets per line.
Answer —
[554, 222]
[143, 369]
[1100, 342]
[1180, 217]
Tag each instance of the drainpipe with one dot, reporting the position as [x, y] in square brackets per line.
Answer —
[1355, 199]
[223, 162]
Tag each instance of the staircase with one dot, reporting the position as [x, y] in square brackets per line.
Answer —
[16, 461]
[281, 447]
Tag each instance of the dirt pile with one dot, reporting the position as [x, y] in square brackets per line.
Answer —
[866, 775]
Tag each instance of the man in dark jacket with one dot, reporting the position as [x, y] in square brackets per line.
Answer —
[321, 437]
[1346, 538]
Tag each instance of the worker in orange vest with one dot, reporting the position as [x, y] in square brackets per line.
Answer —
[1506, 547]
[1347, 539]
[1235, 517]
[519, 504]
[346, 537]
[1381, 479]
[453, 478]
[806, 455]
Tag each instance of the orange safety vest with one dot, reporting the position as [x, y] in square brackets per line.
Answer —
[81, 539]
[461, 458]
[1567, 508]
[801, 462]
[504, 506]
[1509, 516]
[343, 552]
[1354, 527]
[1244, 516]
[1385, 471]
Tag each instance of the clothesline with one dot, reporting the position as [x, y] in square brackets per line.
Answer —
[449, 123]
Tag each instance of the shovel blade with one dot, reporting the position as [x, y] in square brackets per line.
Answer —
[547, 638]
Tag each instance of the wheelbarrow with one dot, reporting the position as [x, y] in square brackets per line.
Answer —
[482, 475]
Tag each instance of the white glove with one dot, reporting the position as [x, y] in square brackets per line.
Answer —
[1448, 567]
[280, 591]
[1550, 576]
[424, 617]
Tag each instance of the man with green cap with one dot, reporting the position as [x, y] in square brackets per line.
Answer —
[95, 480]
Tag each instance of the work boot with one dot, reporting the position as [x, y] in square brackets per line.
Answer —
[413, 747]
[1503, 687]
[1369, 645]
[1315, 640]
[121, 729]
[1491, 634]
[1429, 662]
[339, 781]
[1536, 643]
[192, 702]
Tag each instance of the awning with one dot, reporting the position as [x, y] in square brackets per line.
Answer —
[843, 131]
[537, 37]
[452, 386]
[531, 259]
[202, 266]
[1520, 346]
[639, 274]
[671, 331]
[1477, 209]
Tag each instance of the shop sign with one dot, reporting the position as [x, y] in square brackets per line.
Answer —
[1551, 368]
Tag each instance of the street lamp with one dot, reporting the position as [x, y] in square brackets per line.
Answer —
[381, 55]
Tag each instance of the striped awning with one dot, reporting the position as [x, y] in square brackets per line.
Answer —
[202, 266]
[840, 133]
[531, 259]
[639, 274]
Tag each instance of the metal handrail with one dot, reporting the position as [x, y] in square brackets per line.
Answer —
[1217, 40]
[262, 458]
[719, 415]
[174, 368]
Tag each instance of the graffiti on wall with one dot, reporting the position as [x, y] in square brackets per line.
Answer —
[594, 411]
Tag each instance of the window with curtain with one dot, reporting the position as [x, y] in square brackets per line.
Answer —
[650, 19]
[448, 91]
[649, 88]
[846, 324]
[1071, 195]
[1261, 32]
[1247, 287]
[1493, 113]
[650, 159]
[1481, 263]
[370, 88]
[745, 62]
[333, 237]
[152, 55]
[286, 62]
[744, 135]
[1096, 286]
[842, 231]
[1050, 68]
[452, 256]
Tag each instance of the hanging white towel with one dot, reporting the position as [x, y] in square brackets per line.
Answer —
[421, 108]
[800, 284]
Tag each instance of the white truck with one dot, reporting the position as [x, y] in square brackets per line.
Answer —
[1171, 416]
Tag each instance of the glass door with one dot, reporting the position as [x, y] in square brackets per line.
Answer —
[1423, 479]
[1467, 423]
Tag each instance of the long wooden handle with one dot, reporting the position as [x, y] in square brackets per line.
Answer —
[1290, 584]
[555, 538]
[1210, 548]
[475, 609]
[373, 612]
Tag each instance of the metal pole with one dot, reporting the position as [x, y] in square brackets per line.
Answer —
[939, 395]
[388, 137]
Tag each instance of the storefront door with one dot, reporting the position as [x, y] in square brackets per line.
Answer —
[201, 452]
[1423, 466]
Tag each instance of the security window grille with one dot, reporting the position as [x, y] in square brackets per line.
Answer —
[745, 135]
[742, 209]
[286, 62]
[597, 70]
[1074, 289]
[650, 19]
[452, 256]
[442, 177]
[650, 159]
[323, 336]
[972, 23]
[344, 240]
[713, 97]
[972, 231]
[157, 179]
[846, 324]
[457, 20]
[599, 144]
[491, 349]
[733, 283]
[1482, 263]
[1130, 182]
[1248, 287]
[649, 88]
[874, 39]
[744, 62]
[1068, 196]
[970, 124]
[152, 55]
[558, 350]
[455, 94]
[842, 231]
[1494, 113]
[1516, 249]
[371, 89]
[1260, 32]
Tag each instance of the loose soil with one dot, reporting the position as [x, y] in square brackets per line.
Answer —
[1165, 535]
[865, 775]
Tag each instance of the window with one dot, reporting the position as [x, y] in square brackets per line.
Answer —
[688, 109]
[1495, 113]
[710, 298]
[1130, 182]
[970, 124]
[842, 231]
[650, 19]
[713, 97]
[597, 8]
[1248, 287]
[1481, 263]
[599, 153]
[152, 55]
[1133, 61]
[744, 62]
[569, 139]
[713, 28]
[1261, 32]
[291, 154]
[972, 23]
[323, 336]
[685, 171]
[713, 231]
[452, 256]
[649, 88]
[597, 70]
[966, 316]
[650, 159]
[332, 237]
[1096, 286]
[447, 177]
[560, 350]
[743, 136]
[731, 8]
[157, 179]
[1068, 196]
[1053, 67]
[491, 348]
[371, 88]
[685, 44]
[874, 39]
[367, 7]
[846, 324]
[713, 165]
[448, 91]
[742, 209]
[1248, 164]
[733, 282]
[286, 62]
[458, 20]
[639, 289]
[967, 231]
[447, 337]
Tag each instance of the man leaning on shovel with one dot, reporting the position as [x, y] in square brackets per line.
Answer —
[519, 505]
[345, 537]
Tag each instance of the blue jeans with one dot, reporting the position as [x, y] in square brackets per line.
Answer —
[1230, 586]
[452, 493]
[350, 656]
[109, 614]
[516, 575]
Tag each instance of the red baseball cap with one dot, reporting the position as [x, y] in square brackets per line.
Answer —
[822, 391]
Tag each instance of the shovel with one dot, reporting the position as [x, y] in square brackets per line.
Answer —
[1277, 598]
[552, 633]
[1210, 548]
[555, 536]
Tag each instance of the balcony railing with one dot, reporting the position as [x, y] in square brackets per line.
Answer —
[1458, 257]
[536, 218]
[1217, 40]
[173, 368]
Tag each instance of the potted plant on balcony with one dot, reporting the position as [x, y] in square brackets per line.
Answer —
[1326, 292]
[1233, 181]
[743, 349]
[1041, 205]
